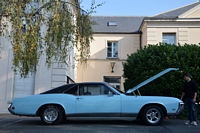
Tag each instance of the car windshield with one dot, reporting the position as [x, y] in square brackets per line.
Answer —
[120, 91]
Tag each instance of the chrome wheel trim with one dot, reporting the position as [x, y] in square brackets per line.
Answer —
[153, 115]
[50, 114]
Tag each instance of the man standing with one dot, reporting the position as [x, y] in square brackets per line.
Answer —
[190, 94]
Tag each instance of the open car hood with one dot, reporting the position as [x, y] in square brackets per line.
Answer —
[151, 79]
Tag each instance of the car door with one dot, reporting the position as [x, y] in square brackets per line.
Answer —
[97, 100]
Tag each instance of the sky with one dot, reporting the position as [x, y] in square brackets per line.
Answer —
[134, 7]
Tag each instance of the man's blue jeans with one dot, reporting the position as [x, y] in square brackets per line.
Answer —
[191, 108]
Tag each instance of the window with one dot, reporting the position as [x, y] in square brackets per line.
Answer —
[87, 90]
[112, 23]
[29, 8]
[169, 38]
[93, 90]
[112, 49]
[73, 90]
[113, 81]
[25, 25]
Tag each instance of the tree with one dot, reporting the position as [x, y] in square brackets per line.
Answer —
[49, 28]
[152, 59]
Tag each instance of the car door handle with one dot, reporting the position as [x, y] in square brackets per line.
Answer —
[78, 98]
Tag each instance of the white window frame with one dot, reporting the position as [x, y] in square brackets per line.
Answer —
[112, 51]
[168, 35]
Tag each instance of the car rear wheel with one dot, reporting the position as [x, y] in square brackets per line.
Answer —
[51, 114]
[152, 115]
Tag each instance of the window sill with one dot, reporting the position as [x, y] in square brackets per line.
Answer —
[112, 58]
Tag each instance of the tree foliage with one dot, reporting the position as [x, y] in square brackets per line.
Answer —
[49, 28]
[153, 59]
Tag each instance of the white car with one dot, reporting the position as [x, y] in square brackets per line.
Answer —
[96, 99]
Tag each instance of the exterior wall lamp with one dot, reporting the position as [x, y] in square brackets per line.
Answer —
[112, 66]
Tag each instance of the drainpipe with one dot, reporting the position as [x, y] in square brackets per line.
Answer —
[140, 32]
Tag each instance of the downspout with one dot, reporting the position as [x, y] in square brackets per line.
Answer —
[140, 32]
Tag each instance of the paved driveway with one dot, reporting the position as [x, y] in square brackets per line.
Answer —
[16, 124]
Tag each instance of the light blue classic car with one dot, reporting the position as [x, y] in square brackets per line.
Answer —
[97, 99]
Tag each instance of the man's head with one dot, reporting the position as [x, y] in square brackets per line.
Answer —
[187, 76]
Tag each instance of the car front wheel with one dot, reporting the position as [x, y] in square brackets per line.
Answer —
[51, 114]
[152, 115]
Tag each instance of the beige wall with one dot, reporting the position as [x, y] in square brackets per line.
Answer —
[195, 14]
[194, 36]
[152, 34]
[98, 65]
[126, 45]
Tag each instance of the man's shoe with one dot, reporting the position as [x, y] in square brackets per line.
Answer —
[187, 122]
[194, 123]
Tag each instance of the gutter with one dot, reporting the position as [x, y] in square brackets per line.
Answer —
[140, 43]
[116, 32]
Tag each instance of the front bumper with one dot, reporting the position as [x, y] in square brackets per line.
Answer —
[180, 108]
[10, 109]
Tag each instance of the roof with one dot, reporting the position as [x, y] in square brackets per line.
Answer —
[124, 24]
[131, 24]
[176, 12]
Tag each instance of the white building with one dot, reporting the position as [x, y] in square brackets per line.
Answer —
[12, 85]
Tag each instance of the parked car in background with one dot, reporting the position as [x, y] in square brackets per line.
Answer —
[96, 99]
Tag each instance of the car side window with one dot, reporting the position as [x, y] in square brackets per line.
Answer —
[73, 91]
[93, 90]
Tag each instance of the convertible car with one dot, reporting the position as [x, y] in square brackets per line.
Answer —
[97, 99]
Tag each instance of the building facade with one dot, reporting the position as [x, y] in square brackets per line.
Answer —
[117, 36]
[114, 38]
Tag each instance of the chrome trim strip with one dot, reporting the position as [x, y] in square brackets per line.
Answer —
[180, 108]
